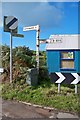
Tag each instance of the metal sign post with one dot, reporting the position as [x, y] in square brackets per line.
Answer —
[58, 87]
[76, 89]
[11, 35]
[11, 56]
[11, 25]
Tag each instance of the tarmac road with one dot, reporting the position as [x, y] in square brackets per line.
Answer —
[12, 110]
[15, 109]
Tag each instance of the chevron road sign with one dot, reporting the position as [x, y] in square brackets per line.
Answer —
[76, 81]
[66, 78]
[77, 78]
[61, 78]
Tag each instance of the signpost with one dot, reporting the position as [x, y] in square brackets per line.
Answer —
[43, 41]
[11, 25]
[37, 28]
[17, 35]
[8, 20]
[11, 22]
[11, 56]
[30, 28]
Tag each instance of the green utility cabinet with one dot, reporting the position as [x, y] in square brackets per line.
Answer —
[32, 77]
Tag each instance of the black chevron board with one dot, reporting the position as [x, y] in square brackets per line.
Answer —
[53, 77]
[68, 77]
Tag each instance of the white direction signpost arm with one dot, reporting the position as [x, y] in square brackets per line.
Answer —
[30, 28]
[43, 41]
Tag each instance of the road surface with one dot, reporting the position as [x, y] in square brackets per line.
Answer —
[13, 110]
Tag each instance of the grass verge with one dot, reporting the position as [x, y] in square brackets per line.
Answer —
[44, 94]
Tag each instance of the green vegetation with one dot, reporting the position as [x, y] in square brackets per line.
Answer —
[23, 59]
[44, 94]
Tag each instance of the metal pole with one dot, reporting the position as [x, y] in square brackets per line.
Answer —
[11, 56]
[76, 91]
[37, 47]
[59, 88]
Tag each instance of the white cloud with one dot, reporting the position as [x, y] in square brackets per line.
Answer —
[34, 13]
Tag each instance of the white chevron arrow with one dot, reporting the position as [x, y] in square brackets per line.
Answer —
[61, 77]
[77, 78]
